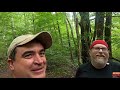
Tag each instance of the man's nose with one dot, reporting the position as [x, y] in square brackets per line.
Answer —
[38, 59]
[100, 50]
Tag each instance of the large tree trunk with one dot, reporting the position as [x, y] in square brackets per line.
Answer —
[99, 24]
[108, 30]
[78, 42]
[85, 32]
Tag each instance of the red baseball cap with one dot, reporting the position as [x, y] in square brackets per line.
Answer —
[99, 42]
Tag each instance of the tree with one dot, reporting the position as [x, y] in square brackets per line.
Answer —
[108, 31]
[85, 32]
[99, 24]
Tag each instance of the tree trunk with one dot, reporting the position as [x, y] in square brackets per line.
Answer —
[71, 53]
[33, 20]
[85, 32]
[78, 42]
[59, 31]
[99, 24]
[60, 36]
[78, 37]
[12, 26]
[72, 33]
[108, 31]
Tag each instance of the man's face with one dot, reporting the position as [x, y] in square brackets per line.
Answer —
[30, 61]
[99, 56]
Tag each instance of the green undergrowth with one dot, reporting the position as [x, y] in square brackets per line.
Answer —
[61, 67]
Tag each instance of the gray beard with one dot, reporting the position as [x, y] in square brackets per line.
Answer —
[99, 63]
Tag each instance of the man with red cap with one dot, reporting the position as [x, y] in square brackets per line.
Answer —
[99, 66]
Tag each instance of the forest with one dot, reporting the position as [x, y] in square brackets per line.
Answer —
[72, 34]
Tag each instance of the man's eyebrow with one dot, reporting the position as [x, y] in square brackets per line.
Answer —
[27, 52]
[42, 50]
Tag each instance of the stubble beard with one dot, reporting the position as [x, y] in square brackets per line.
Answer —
[99, 62]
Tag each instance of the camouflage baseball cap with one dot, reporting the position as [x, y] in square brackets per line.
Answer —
[44, 38]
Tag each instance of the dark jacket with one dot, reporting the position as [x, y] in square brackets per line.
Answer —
[88, 71]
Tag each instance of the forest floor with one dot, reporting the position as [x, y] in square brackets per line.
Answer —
[5, 74]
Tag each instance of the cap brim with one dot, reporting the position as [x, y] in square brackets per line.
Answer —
[44, 38]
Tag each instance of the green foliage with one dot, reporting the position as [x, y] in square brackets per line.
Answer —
[60, 65]
[13, 24]
[116, 36]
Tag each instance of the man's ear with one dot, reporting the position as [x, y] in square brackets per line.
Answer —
[10, 64]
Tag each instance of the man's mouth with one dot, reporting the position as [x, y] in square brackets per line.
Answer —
[100, 55]
[38, 70]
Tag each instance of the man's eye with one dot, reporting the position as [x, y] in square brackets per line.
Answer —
[42, 53]
[97, 48]
[103, 48]
[28, 55]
